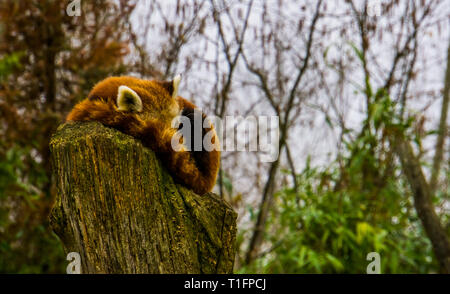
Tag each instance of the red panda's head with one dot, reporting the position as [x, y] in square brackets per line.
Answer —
[147, 98]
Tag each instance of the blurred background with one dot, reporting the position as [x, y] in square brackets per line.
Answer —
[361, 89]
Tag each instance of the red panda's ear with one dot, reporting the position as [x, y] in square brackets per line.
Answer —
[128, 100]
[172, 86]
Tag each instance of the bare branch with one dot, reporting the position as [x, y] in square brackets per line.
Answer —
[442, 129]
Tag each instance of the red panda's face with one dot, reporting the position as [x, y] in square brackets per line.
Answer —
[148, 99]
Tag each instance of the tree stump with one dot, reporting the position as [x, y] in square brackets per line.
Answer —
[119, 208]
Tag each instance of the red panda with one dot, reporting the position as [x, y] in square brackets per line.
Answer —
[144, 109]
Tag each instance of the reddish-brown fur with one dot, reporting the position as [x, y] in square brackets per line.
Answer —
[195, 169]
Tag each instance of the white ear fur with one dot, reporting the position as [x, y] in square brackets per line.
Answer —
[176, 83]
[128, 100]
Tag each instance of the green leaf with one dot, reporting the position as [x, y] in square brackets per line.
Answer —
[337, 264]
[357, 51]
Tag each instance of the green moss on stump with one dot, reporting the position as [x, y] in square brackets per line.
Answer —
[120, 209]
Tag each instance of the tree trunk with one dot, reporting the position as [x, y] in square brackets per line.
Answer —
[423, 202]
[121, 211]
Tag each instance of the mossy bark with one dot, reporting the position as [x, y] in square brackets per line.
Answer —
[119, 208]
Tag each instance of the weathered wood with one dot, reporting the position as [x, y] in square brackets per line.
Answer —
[120, 210]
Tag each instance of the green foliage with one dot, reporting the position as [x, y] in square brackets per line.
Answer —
[27, 244]
[356, 205]
[9, 63]
[331, 229]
